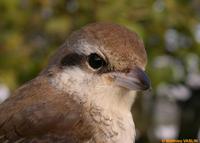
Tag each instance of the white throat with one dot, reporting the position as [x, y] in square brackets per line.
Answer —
[115, 122]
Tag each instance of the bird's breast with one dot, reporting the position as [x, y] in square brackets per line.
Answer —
[111, 126]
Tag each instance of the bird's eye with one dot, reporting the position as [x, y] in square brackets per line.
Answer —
[95, 61]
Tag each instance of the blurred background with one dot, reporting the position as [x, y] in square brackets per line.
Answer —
[31, 30]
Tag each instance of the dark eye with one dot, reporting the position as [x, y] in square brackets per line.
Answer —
[95, 61]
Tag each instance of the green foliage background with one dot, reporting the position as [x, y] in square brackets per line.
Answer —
[31, 30]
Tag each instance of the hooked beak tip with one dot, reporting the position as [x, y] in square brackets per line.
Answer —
[143, 79]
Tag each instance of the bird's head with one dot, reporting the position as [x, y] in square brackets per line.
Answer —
[102, 62]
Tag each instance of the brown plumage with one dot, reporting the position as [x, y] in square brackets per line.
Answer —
[85, 93]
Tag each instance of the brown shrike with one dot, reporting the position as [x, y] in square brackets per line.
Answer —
[85, 93]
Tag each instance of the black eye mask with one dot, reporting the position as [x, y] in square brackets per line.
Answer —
[94, 60]
[71, 59]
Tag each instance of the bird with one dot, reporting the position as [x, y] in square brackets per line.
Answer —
[85, 92]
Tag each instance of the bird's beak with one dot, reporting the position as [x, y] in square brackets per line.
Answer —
[135, 79]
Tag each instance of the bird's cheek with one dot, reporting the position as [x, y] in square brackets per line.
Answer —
[108, 79]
